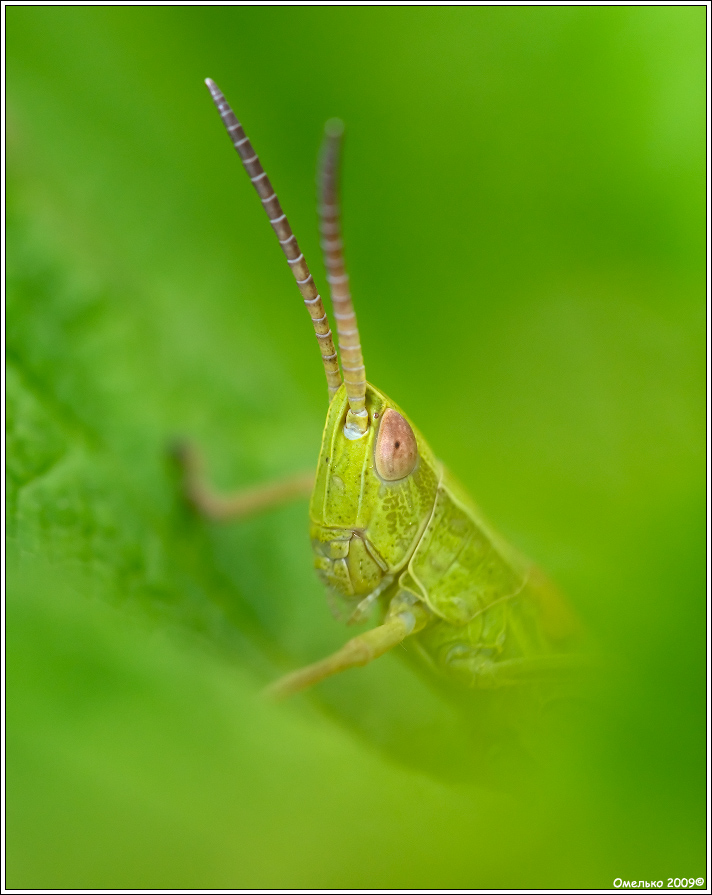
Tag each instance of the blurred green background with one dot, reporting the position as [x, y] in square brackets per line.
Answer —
[525, 224]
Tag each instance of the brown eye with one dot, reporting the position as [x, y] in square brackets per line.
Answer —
[396, 450]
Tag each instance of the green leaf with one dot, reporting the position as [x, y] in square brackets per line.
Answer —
[524, 197]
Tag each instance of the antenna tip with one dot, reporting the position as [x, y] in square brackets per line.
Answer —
[334, 128]
[212, 86]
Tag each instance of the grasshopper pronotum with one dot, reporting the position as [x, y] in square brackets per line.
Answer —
[389, 524]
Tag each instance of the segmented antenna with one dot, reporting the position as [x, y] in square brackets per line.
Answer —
[288, 241]
[332, 247]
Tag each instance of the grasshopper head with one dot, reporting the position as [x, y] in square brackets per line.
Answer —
[377, 479]
[372, 497]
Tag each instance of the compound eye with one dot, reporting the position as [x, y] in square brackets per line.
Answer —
[396, 448]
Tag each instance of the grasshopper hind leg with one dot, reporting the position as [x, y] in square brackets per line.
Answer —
[232, 506]
[480, 670]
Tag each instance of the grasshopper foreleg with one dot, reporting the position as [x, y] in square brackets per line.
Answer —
[236, 505]
[403, 619]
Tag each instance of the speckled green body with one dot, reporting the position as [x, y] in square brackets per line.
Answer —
[422, 540]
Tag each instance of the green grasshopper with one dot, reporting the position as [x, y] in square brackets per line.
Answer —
[390, 526]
